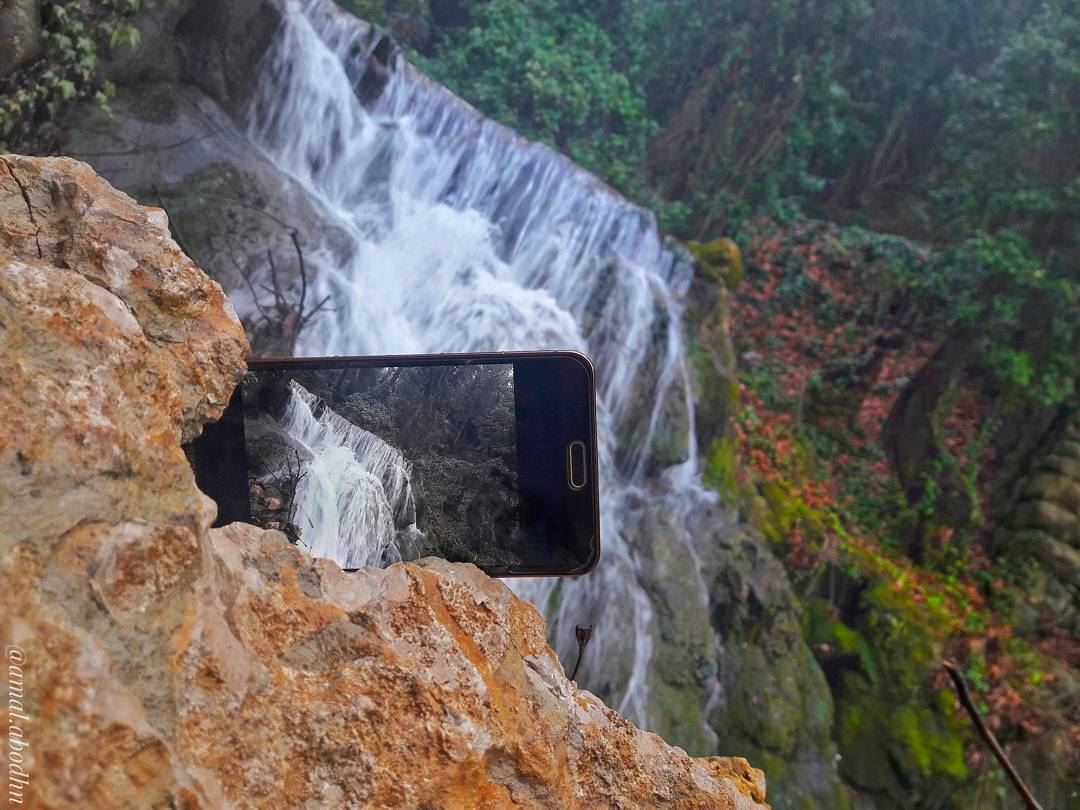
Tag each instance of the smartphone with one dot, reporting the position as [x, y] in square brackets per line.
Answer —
[486, 458]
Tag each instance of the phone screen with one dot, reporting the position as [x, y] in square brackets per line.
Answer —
[369, 461]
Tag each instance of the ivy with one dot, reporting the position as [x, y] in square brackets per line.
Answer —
[76, 39]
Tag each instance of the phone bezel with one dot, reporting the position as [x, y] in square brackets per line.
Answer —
[480, 358]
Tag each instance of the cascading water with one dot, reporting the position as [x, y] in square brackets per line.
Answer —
[458, 235]
[353, 496]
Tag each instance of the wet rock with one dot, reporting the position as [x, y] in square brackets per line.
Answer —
[167, 664]
[717, 267]
[221, 45]
[731, 669]
[671, 435]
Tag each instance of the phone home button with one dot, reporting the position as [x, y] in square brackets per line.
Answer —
[577, 468]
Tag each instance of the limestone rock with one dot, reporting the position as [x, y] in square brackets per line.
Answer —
[165, 664]
[752, 779]
[59, 212]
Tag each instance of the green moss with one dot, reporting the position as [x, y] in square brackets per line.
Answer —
[719, 260]
[680, 710]
[788, 512]
[721, 465]
[880, 732]
[821, 628]
[889, 720]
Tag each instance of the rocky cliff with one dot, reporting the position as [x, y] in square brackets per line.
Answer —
[162, 663]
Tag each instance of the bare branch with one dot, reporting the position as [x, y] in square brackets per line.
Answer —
[303, 272]
[960, 684]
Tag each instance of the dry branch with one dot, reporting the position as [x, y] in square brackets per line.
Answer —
[988, 737]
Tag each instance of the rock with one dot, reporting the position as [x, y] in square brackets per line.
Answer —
[58, 214]
[708, 341]
[228, 206]
[732, 670]
[1063, 560]
[1063, 465]
[222, 44]
[427, 683]
[738, 769]
[1061, 490]
[20, 31]
[1043, 522]
[670, 443]
[211, 45]
[719, 260]
[1047, 516]
[167, 664]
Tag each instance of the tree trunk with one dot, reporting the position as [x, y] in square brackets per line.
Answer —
[911, 443]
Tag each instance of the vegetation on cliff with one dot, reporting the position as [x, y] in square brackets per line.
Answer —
[53, 56]
[904, 369]
[808, 465]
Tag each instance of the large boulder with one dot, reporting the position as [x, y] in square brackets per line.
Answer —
[163, 663]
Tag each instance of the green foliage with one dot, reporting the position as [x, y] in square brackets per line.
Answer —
[77, 36]
[551, 70]
[949, 122]
[1010, 142]
[1025, 309]
[721, 466]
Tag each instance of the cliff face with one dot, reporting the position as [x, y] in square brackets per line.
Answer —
[162, 663]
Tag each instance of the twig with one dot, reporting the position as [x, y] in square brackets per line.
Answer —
[303, 272]
[980, 725]
[289, 318]
[583, 633]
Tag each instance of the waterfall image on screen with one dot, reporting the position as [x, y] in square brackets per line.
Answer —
[369, 466]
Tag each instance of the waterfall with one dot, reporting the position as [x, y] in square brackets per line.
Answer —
[353, 496]
[452, 233]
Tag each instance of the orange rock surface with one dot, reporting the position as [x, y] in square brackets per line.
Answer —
[165, 664]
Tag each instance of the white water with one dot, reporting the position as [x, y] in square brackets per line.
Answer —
[354, 492]
[457, 235]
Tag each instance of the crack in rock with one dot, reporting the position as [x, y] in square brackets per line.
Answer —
[29, 207]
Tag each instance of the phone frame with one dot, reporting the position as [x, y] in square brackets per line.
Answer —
[468, 359]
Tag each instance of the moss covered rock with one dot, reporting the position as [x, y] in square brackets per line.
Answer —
[719, 260]
[708, 339]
